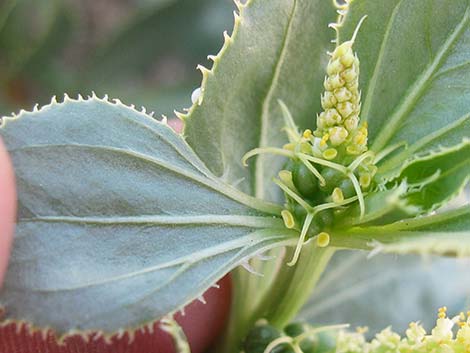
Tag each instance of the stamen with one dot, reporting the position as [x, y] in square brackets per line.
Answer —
[300, 242]
[313, 170]
[288, 119]
[286, 178]
[337, 195]
[365, 180]
[330, 154]
[327, 205]
[277, 342]
[288, 219]
[292, 194]
[309, 333]
[323, 240]
[289, 146]
[271, 150]
[307, 134]
[320, 161]
[357, 162]
[360, 196]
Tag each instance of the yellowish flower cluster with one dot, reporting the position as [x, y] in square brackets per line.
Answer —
[330, 168]
[338, 127]
[448, 336]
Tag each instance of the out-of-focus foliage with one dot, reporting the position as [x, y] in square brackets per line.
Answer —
[138, 50]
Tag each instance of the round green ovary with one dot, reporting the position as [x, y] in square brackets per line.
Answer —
[304, 180]
[260, 337]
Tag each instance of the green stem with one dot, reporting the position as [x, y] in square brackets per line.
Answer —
[277, 296]
[294, 285]
[247, 293]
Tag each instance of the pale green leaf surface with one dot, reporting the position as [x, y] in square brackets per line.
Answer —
[119, 223]
[415, 73]
[381, 207]
[453, 221]
[277, 51]
[387, 290]
[438, 176]
[446, 233]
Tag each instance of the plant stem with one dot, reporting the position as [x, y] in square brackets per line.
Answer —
[294, 285]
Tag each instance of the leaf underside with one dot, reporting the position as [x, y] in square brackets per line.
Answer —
[119, 223]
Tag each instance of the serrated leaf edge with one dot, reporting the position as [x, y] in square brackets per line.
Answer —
[219, 185]
[429, 155]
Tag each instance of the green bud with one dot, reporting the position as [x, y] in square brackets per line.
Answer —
[299, 213]
[259, 338]
[295, 329]
[325, 218]
[348, 188]
[332, 178]
[304, 180]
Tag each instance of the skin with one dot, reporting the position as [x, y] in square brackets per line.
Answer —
[7, 208]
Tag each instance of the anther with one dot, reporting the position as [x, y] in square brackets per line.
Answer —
[330, 154]
[288, 219]
[307, 134]
[323, 240]
[324, 140]
[289, 146]
[337, 195]
[365, 180]
[286, 178]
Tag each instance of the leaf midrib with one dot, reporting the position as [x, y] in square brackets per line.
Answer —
[250, 239]
[213, 184]
[417, 223]
[378, 64]
[259, 166]
[233, 220]
[415, 147]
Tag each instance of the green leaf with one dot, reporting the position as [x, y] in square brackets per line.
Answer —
[453, 220]
[277, 51]
[446, 233]
[387, 290]
[381, 207]
[119, 222]
[438, 176]
[415, 73]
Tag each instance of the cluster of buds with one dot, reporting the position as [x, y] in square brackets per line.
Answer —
[329, 168]
[448, 336]
[338, 132]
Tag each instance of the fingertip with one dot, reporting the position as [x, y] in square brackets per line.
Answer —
[7, 208]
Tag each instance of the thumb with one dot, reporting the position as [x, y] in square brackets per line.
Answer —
[7, 208]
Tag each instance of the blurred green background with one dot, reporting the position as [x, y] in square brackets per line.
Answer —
[144, 52]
